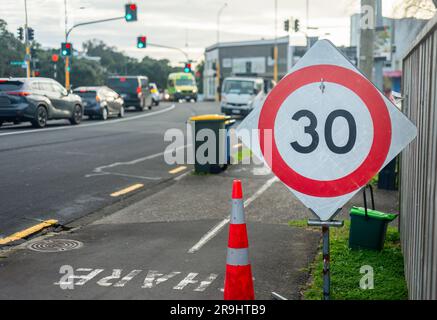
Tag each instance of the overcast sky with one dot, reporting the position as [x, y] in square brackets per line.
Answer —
[188, 24]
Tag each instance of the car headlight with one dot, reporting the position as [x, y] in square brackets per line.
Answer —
[250, 103]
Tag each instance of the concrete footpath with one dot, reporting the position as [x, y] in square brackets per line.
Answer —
[169, 245]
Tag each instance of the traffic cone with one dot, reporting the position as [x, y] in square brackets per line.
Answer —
[238, 279]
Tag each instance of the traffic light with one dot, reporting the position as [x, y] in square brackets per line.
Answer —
[66, 49]
[33, 53]
[30, 34]
[141, 42]
[296, 25]
[187, 68]
[20, 33]
[130, 12]
[287, 25]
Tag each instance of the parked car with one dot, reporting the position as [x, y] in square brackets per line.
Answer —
[156, 96]
[181, 85]
[101, 102]
[238, 94]
[133, 89]
[37, 100]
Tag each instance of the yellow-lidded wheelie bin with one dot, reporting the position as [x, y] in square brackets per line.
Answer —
[209, 126]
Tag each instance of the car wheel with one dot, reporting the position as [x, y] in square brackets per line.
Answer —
[157, 103]
[121, 113]
[41, 117]
[104, 115]
[77, 115]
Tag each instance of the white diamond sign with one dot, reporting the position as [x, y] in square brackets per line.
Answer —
[325, 130]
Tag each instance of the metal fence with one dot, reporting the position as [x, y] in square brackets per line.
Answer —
[418, 187]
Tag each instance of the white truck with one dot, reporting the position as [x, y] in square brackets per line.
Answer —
[239, 93]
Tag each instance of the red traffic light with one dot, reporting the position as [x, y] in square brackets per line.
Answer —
[68, 45]
[55, 57]
[133, 7]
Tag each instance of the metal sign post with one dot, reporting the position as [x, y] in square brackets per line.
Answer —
[326, 255]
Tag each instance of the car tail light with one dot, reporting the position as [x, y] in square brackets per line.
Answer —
[18, 93]
[97, 98]
[139, 90]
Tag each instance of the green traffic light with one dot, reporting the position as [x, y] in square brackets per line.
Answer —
[64, 52]
[128, 17]
[140, 45]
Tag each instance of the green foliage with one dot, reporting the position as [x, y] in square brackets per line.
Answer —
[11, 49]
[388, 267]
[83, 71]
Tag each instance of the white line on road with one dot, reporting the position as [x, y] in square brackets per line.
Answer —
[94, 124]
[217, 228]
[99, 171]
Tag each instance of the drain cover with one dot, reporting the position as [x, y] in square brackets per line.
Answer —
[55, 245]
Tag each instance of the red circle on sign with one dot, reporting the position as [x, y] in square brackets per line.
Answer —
[381, 130]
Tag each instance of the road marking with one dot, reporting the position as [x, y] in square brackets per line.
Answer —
[127, 190]
[217, 228]
[101, 170]
[29, 231]
[94, 124]
[181, 176]
[80, 276]
[178, 169]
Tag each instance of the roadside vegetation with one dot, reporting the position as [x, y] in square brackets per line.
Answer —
[388, 268]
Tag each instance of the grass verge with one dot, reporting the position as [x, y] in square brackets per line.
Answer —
[388, 269]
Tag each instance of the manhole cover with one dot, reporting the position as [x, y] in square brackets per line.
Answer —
[55, 245]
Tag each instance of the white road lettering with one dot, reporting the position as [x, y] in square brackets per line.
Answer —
[115, 279]
[205, 284]
[186, 281]
[116, 274]
[154, 278]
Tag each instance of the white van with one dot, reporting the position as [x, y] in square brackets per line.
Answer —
[238, 95]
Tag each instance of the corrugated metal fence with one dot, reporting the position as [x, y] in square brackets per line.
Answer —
[419, 166]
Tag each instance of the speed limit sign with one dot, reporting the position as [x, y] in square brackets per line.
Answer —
[325, 130]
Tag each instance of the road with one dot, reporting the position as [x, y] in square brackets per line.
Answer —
[161, 242]
[51, 173]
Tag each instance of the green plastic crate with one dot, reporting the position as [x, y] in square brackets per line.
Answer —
[368, 232]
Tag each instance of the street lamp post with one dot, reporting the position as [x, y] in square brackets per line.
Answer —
[218, 51]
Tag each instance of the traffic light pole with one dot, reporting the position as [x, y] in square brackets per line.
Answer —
[67, 59]
[168, 47]
[26, 41]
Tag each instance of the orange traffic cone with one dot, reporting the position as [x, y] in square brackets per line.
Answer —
[238, 279]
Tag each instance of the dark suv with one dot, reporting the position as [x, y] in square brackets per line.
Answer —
[134, 90]
[37, 100]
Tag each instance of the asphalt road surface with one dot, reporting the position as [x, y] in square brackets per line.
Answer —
[65, 172]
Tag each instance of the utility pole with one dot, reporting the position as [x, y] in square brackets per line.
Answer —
[379, 62]
[26, 41]
[275, 48]
[217, 95]
[367, 36]
[67, 58]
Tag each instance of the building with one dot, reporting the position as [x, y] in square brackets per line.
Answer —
[252, 59]
[401, 32]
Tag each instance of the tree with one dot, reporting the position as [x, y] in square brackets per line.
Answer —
[11, 49]
[418, 8]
